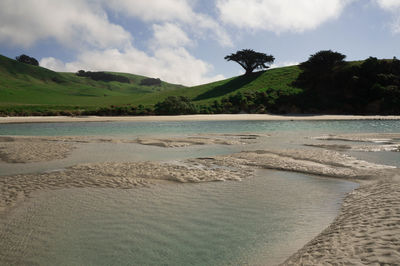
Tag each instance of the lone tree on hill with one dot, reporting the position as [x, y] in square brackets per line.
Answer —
[27, 60]
[250, 60]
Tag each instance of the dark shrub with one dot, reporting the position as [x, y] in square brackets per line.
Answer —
[322, 61]
[102, 76]
[150, 82]
[174, 105]
[27, 60]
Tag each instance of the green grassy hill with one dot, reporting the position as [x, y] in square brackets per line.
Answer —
[371, 86]
[277, 79]
[30, 89]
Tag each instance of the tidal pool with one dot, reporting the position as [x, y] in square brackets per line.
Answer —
[258, 221]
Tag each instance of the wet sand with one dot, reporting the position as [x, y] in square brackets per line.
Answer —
[219, 117]
[22, 149]
[218, 168]
[366, 231]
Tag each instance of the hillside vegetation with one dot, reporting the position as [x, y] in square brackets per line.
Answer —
[33, 90]
[28, 89]
[332, 85]
[323, 84]
[277, 79]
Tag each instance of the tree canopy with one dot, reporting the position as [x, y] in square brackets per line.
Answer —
[322, 61]
[27, 60]
[102, 76]
[332, 85]
[250, 60]
[151, 82]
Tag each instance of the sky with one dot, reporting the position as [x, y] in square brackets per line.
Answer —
[185, 41]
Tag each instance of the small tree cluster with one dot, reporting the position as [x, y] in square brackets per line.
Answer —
[102, 76]
[175, 105]
[27, 60]
[150, 82]
[122, 110]
[270, 101]
[323, 61]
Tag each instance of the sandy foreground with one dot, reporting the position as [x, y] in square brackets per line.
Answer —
[367, 230]
[220, 117]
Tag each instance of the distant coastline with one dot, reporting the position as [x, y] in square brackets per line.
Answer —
[218, 117]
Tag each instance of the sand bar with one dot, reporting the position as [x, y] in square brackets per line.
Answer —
[26, 149]
[219, 117]
[367, 142]
[367, 230]
[216, 168]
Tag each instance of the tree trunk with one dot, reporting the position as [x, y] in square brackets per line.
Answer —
[248, 72]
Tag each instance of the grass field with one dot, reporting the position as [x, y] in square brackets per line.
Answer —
[32, 88]
[277, 79]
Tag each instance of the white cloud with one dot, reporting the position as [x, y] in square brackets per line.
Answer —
[153, 10]
[53, 63]
[284, 64]
[84, 27]
[279, 15]
[178, 11]
[174, 65]
[73, 23]
[205, 25]
[388, 4]
[169, 35]
[77, 23]
[392, 6]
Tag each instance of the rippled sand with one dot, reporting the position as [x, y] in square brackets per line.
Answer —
[223, 139]
[17, 149]
[360, 142]
[365, 137]
[367, 230]
[110, 175]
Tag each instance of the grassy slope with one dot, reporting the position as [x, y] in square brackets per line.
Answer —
[277, 79]
[31, 87]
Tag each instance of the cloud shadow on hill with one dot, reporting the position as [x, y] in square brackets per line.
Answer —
[230, 86]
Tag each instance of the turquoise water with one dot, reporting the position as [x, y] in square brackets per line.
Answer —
[172, 128]
[259, 221]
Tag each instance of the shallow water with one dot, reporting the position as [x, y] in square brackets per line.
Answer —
[258, 221]
[261, 220]
[188, 127]
[118, 152]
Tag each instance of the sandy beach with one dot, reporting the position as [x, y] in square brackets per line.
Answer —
[366, 231]
[220, 117]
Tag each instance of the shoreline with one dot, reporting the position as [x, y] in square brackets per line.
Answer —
[364, 232]
[178, 118]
